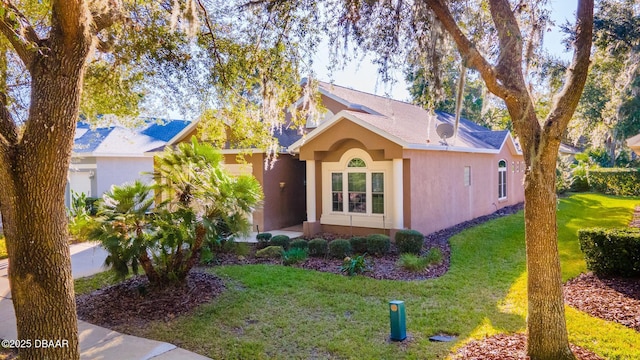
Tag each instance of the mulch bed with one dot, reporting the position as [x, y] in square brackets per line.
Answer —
[382, 267]
[134, 302]
[508, 347]
[613, 299]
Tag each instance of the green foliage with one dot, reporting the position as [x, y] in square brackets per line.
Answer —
[434, 256]
[412, 262]
[616, 181]
[80, 211]
[611, 252]
[409, 241]
[318, 247]
[263, 240]
[123, 226]
[355, 265]
[270, 252]
[205, 206]
[280, 240]
[358, 244]
[3, 247]
[294, 256]
[339, 248]
[378, 244]
[299, 244]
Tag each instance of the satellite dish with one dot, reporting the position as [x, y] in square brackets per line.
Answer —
[445, 131]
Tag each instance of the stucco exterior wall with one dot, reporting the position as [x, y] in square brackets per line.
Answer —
[440, 197]
[119, 170]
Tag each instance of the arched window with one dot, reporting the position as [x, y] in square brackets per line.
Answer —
[502, 180]
[363, 186]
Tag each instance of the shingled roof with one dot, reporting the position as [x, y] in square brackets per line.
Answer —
[405, 123]
[115, 140]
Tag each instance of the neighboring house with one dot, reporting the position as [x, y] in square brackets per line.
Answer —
[379, 165]
[106, 156]
[375, 165]
[634, 144]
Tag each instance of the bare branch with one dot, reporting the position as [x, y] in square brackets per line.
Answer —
[18, 30]
[214, 43]
[566, 101]
[470, 54]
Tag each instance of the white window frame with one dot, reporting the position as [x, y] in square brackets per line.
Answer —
[502, 180]
[344, 217]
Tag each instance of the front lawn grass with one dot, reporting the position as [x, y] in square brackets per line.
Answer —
[281, 312]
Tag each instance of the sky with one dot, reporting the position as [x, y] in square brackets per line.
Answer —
[363, 75]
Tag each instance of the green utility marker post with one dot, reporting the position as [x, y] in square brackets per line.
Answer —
[398, 319]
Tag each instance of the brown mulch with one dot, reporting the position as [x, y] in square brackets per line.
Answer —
[508, 347]
[635, 221]
[8, 354]
[134, 302]
[613, 299]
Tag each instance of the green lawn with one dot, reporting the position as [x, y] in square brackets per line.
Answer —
[281, 312]
[3, 248]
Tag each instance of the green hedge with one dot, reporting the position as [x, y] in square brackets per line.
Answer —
[409, 241]
[378, 244]
[317, 247]
[339, 248]
[611, 252]
[615, 181]
[280, 240]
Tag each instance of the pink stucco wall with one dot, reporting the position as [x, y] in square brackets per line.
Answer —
[439, 197]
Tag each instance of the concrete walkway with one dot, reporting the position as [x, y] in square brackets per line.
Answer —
[95, 342]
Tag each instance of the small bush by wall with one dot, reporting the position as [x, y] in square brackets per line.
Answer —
[299, 244]
[358, 244]
[317, 247]
[611, 252]
[280, 240]
[270, 252]
[615, 181]
[339, 248]
[409, 241]
[378, 244]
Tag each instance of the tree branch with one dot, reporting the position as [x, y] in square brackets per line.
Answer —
[105, 13]
[17, 29]
[566, 101]
[70, 17]
[470, 54]
[510, 39]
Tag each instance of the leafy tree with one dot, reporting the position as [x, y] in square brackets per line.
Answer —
[505, 64]
[609, 110]
[59, 58]
[202, 202]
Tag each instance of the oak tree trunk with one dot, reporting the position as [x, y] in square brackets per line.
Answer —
[546, 327]
[33, 177]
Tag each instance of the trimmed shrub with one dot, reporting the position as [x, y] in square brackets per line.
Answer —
[293, 256]
[280, 240]
[263, 240]
[270, 252]
[318, 247]
[339, 248]
[412, 262]
[615, 181]
[378, 244]
[409, 241]
[299, 244]
[358, 245]
[611, 252]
